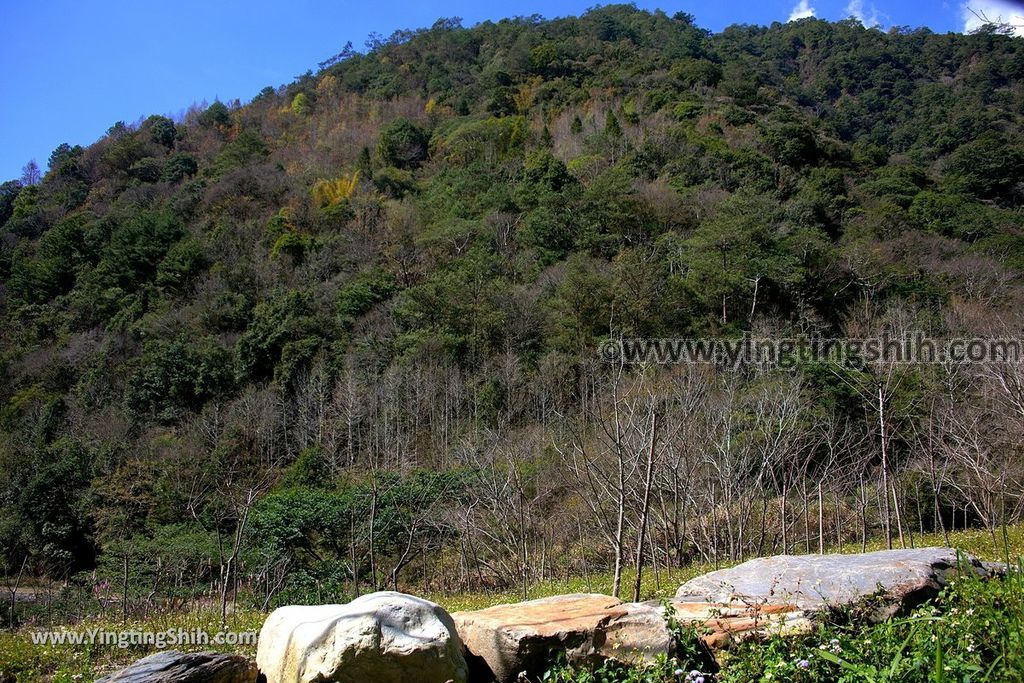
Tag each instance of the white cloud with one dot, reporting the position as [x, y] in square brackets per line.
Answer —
[869, 18]
[976, 13]
[802, 10]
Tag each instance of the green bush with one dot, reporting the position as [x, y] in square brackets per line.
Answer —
[161, 130]
[171, 377]
[178, 167]
[402, 144]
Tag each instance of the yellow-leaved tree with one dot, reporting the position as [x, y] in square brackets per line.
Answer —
[331, 192]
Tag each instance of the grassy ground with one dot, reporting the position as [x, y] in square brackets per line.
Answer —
[21, 660]
[972, 633]
[664, 583]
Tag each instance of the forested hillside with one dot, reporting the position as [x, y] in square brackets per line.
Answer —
[346, 335]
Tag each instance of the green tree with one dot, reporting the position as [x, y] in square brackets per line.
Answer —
[8, 194]
[301, 104]
[171, 377]
[736, 254]
[178, 167]
[161, 129]
[402, 144]
[216, 114]
[989, 167]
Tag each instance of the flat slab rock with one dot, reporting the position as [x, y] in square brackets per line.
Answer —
[171, 666]
[505, 640]
[900, 578]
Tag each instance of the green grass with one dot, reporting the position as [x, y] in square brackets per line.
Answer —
[651, 588]
[973, 632]
[995, 627]
[975, 541]
[24, 661]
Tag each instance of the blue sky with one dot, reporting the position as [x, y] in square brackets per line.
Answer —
[71, 68]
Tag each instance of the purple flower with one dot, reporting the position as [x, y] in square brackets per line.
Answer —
[804, 664]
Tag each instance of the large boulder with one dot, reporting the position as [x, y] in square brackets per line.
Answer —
[895, 580]
[172, 666]
[383, 637]
[587, 628]
[506, 640]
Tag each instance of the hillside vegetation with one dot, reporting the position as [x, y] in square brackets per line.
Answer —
[346, 335]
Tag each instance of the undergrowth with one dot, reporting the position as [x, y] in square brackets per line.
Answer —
[973, 632]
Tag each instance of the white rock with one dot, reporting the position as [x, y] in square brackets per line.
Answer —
[383, 637]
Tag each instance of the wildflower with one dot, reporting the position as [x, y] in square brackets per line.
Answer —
[804, 664]
[677, 672]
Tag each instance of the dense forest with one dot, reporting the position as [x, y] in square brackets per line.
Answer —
[345, 336]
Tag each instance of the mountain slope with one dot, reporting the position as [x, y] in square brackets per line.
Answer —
[366, 305]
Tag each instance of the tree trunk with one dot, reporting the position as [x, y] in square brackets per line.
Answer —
[124, 589]
[644, 508]
[887, 520]
[821, 522]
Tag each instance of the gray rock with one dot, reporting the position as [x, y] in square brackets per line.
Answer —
[997, 569]
[171, 666]
[901, 579]
[638, 636]
[382, 637]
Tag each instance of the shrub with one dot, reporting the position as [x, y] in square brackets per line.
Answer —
[179, 167]
[216, 114]
[402, 144]
[301, 104]
[161, 130]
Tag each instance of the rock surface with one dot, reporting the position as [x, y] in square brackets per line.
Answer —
[172, 666]
[505, 640]
[901, 578]
[383, 637]
[723, 625]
